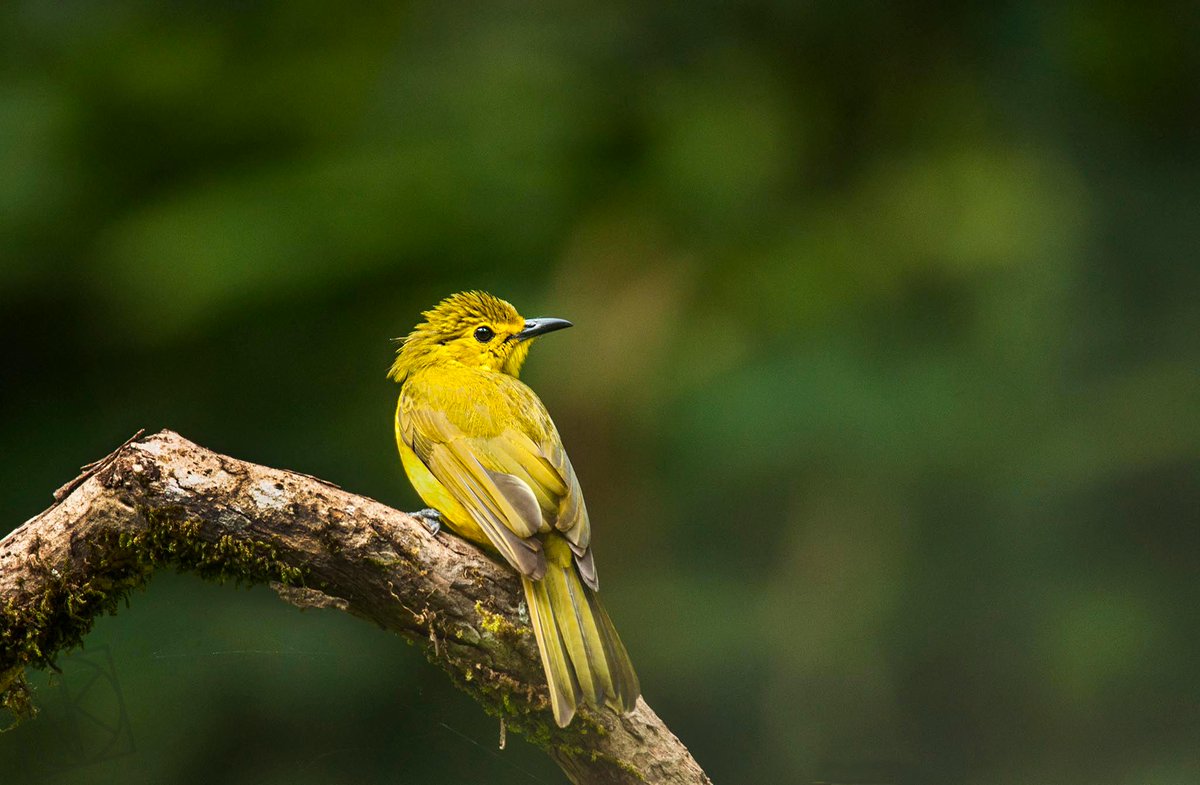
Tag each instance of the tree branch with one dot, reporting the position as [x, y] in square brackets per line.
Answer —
[163, 500]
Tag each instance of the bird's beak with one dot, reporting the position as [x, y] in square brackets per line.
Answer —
[541, 326]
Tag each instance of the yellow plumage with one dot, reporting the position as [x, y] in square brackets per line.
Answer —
[479, 446]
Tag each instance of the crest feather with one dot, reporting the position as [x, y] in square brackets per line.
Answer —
[460, 310]
[449, 319]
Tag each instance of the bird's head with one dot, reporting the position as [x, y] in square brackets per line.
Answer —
[474, 329]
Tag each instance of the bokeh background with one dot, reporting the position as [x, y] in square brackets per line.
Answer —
[884, 386]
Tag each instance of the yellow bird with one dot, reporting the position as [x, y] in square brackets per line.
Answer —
[480, 449]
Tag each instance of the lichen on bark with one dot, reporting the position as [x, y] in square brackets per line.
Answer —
[163, 501]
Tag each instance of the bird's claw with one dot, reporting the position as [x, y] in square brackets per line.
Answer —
[431, 518]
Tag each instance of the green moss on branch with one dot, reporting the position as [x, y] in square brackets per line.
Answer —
[39, 624]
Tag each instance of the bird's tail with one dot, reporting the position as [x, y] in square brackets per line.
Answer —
[582, 654]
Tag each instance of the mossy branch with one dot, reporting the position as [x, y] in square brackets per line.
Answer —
[163, 500]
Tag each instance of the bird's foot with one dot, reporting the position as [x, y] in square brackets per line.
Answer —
[431, 518]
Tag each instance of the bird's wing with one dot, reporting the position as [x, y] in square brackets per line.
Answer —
[513, 487]
[572, 519]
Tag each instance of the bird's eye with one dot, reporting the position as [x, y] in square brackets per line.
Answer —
[484, 334]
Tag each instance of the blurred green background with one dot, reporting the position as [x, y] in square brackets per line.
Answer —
[884, 386]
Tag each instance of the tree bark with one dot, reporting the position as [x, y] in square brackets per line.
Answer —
[162, 500]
